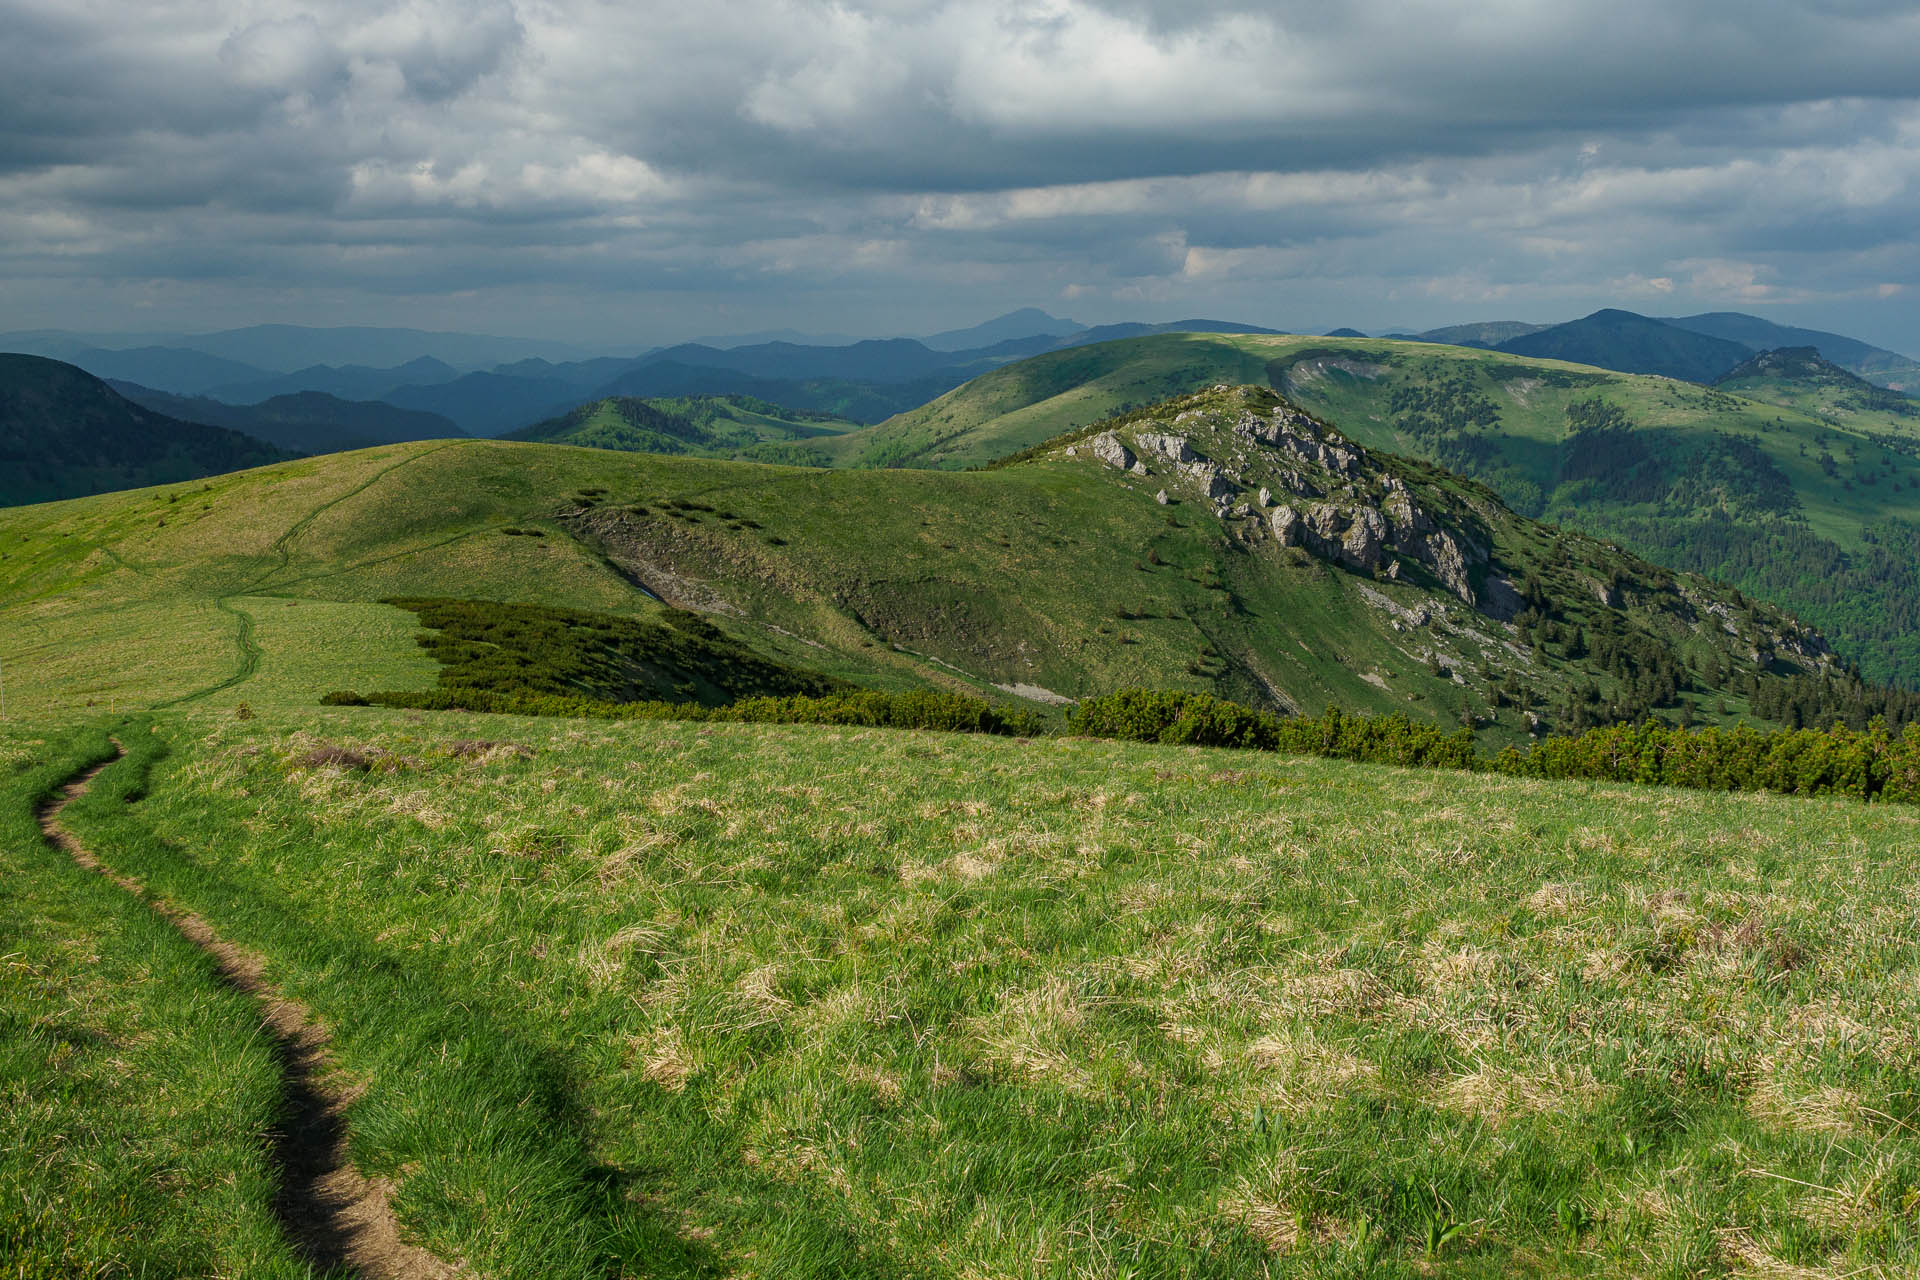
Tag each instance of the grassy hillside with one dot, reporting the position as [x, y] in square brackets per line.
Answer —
[1813, 508]
[708, 426]
[852, 399]
[1800, 378]
[1056, 578]
[1876, 364]
[64, 432]
[1020, 405]
[757, 1002]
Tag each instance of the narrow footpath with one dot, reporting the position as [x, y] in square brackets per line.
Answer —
[336, 1218]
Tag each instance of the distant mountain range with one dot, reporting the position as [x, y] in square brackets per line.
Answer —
[491, 386]
[1693, 348]
[282, 348]
[348, 382]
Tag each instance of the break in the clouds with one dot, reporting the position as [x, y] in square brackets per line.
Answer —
[641, 171]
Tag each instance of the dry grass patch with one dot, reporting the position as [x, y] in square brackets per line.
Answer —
[666, 1059]
[1297, 1072]
[1498, 1095]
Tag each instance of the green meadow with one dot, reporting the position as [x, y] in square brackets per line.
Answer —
[1053, 577]
[666, 999]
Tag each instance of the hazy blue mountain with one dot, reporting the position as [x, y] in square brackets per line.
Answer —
[65, 344]
[727, 341]
[1630, 343]
[65, 433]
[875, 360]
[348, 382]
[585, 374]
[1875, 364]
[1027, 322]
[286, 347]
[1486, 333]
[175, 369]
[1344, 333]
[305, 422]
[491, 404]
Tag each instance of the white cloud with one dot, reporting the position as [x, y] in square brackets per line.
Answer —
[850, 158]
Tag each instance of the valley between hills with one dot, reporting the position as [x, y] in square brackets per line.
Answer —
[1176, 806]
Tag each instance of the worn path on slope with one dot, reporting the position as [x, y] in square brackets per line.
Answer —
[334, 1216]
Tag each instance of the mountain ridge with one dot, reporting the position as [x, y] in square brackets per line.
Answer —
[1630, 343]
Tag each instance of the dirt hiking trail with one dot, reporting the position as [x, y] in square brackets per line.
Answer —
[335, 1218]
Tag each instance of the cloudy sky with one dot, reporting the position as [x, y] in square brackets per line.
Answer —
[637, 171]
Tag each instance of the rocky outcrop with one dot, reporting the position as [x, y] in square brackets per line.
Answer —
[1442, 553]
[1107, 448]
[1172, 448]
[1212, 479]
[1295, 432]
[1286, 525]
[1316, 489]
[1354, 536]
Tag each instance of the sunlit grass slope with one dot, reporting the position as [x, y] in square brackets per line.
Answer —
[805, 1002]
[1056, 578]
[708, 426]
[1812, 503]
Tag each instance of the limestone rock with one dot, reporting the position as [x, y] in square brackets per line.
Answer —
[1161, 498]
[1301, 436]
[1107, 448]
[1353, 536]
[1172, 448]
[1407, 521]
[1442, 554]
[1286, 526]
[1361, 546]
[1212, 480]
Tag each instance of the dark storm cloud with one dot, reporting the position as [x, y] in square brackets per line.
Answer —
[867, 165]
